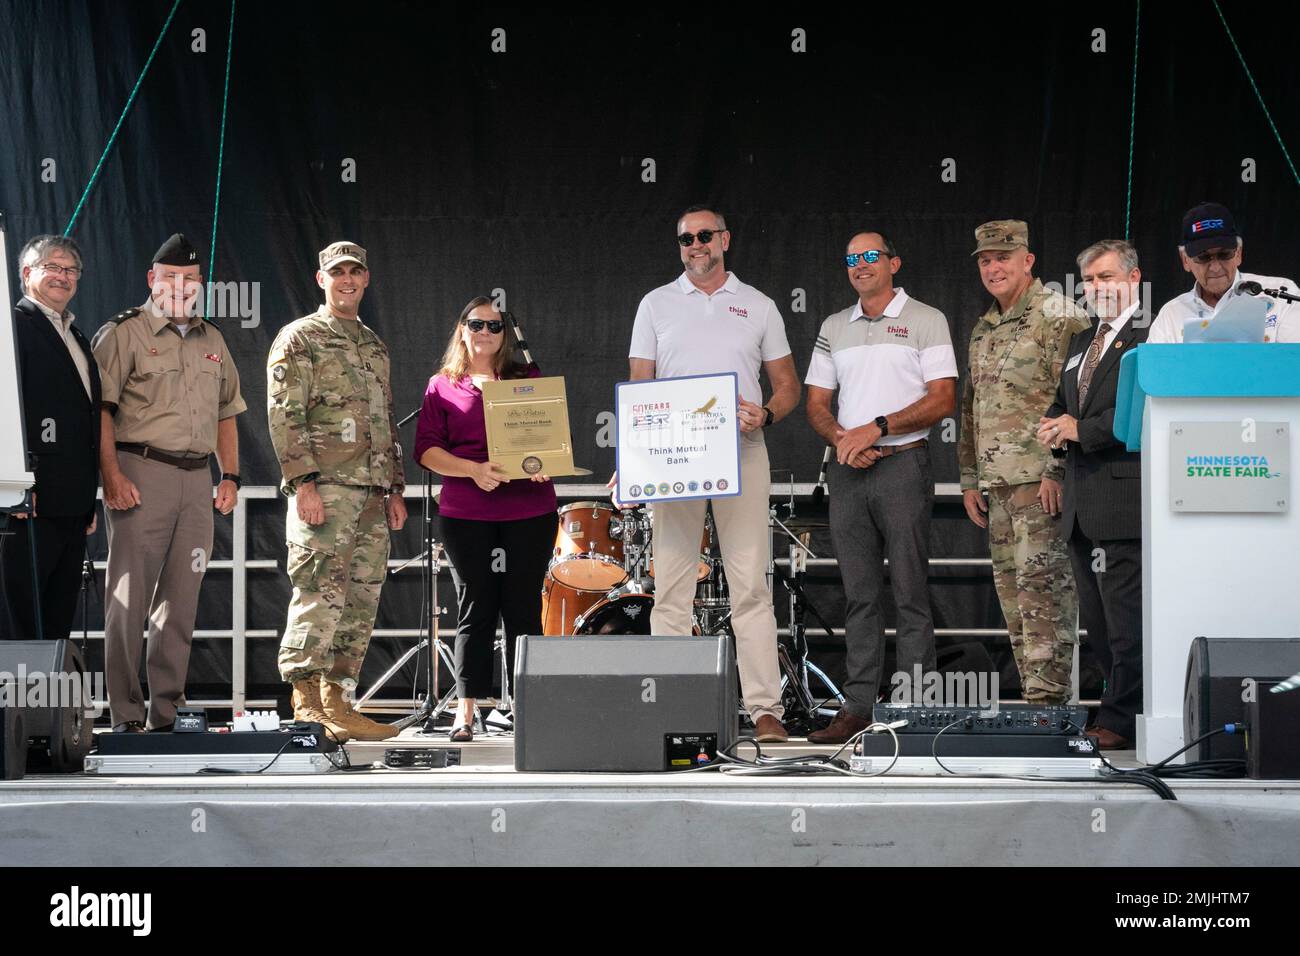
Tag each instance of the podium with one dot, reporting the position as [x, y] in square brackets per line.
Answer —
[1216, 426]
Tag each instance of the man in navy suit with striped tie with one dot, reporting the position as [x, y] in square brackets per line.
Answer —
[1102, 513]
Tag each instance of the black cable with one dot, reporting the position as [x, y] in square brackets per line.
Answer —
[1148, 780]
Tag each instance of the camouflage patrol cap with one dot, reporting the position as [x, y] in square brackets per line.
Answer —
[1001, 235]
[343, 251]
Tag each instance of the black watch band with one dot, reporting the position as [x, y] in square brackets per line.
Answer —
[229, 476]
[883, 423]
[769, 418]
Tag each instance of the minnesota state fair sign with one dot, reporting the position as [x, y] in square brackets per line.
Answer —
[1242, 466]
[678, 438]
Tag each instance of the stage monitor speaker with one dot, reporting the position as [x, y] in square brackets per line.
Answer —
[47, 681]
[1273, 737]
[623, 702]
[13, 744]
[1223, 675]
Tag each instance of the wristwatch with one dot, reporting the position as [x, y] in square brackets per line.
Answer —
[883, 423]
[228, 476]
[769, 417]
[314, 476]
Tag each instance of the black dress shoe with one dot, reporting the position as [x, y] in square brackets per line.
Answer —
[129, 727]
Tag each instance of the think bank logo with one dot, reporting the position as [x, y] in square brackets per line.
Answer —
[1229, 466]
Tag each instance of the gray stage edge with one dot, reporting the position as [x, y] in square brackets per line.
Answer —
[457, 819]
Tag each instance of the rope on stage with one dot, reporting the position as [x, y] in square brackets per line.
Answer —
[94, 177]
[1267, 115]
[221, 153]
[1132, 122]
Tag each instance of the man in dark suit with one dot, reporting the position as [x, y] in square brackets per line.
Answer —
[60, 398]
[1102, 513]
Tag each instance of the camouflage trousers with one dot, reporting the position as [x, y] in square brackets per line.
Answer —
[1035, 585]
[337, 569]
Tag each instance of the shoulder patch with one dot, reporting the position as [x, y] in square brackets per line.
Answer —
[123, 316]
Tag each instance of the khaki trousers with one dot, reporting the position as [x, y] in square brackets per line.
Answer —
[744, 541]
[157, 554]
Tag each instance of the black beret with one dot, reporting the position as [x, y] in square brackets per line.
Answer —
[176, 251]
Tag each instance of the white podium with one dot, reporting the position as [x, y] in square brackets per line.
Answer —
[1220, 521]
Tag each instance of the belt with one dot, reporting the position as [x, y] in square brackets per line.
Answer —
[144, 451]
[887, 450]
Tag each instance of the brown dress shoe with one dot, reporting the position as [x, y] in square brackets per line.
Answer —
[1108, 739]
[840, 729]
[769, 730]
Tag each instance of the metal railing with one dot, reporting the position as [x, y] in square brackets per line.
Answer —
[239, 565]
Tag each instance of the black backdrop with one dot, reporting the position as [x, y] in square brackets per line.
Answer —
[523, 171]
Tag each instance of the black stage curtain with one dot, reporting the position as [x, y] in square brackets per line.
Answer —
[525, 171]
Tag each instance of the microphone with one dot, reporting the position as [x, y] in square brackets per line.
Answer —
[1247, 287]
[519, 337]
[819, 492]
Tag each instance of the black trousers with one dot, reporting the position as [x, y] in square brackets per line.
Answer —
[1110, 607]
[60, 549]
[877, 513]
[498, 568]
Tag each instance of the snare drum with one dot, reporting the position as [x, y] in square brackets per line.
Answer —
[588, 556]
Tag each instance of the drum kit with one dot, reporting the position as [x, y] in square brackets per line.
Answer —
[601, 579]
[601, 582]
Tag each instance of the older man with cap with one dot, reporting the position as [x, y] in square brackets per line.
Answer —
[1211, 250]
[170, 397]
[1016, 353]
[60, 397]
[330, 410]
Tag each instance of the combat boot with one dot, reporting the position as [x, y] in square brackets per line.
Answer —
[307, 706]
[340, 710]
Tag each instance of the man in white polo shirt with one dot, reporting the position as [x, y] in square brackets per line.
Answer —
[1211, 252]
[892, 360]
[706, 322]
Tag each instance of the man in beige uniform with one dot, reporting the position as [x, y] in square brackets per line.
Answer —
[170, 397]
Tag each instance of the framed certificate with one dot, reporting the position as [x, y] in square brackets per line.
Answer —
[528, 427]
[678, 438]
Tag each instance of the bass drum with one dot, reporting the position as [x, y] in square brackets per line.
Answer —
[624, 614]
[562, 604]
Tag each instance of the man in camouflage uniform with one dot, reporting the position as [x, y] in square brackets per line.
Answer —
[330, 410]
[1016, 353]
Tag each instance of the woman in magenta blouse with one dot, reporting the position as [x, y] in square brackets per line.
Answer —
[499, 534]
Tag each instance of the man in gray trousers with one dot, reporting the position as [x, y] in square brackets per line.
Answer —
[892, 361]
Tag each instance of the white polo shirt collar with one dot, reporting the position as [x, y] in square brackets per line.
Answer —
[688, 287]
[891, 311]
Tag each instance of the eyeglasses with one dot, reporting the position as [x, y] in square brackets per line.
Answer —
[704, 235]
[1224, 255]
[871, 256]
[70, 272]
[493, 325]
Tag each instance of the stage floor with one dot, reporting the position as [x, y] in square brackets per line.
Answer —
[486, 813]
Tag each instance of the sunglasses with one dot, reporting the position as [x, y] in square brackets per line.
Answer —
[871, 256]
[493, 325]
[704, 235]
[1205, 258]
